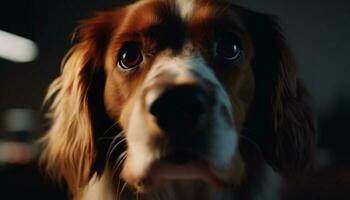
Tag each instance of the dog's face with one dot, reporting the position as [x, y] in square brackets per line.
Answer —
[183, 81]
[179, 81]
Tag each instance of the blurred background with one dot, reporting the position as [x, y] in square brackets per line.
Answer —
[38, 32]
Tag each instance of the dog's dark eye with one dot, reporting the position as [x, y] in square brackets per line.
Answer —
[129, 56]
[229, 49]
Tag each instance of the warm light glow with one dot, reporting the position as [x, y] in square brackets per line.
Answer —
[16, 48]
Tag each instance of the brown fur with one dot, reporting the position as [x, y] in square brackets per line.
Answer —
[89, 99]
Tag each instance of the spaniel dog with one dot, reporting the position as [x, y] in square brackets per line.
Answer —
[178, 99]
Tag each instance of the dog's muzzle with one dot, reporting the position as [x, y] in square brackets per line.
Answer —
[179, 111]
[181, 120]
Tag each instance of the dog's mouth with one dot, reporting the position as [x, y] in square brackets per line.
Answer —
[181, 166]
[164, 172]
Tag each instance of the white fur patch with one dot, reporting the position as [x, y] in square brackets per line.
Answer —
[99, 188]
[139, 153]
[186, 8]
[152, 96]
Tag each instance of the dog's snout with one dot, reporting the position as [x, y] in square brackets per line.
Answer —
[179, 109]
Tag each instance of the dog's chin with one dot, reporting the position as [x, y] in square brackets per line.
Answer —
[162, 173]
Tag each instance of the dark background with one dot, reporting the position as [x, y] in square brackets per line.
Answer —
[318, 33]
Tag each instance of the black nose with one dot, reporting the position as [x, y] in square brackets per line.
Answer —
[178, 109]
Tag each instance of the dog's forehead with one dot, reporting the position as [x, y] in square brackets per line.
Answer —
[172, 22]
[147, 13]
[185, 8]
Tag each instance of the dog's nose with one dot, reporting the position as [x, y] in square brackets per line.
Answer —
[179, 109]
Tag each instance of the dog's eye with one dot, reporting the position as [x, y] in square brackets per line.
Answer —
[130, 56]
[229, 49]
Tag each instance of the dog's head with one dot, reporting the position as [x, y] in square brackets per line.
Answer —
[182, 81]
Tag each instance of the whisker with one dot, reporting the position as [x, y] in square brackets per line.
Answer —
[122, 190]
[115, 138]
[118, 163]
[121, 156]
[118, 135]
[110, 151]
[112, 126]
[121, 159]
[113, 146]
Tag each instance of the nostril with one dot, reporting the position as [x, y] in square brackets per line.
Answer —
[179, 108]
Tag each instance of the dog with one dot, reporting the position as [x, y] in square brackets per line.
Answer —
[178, 99]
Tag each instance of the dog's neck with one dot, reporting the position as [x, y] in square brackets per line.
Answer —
[106, 188]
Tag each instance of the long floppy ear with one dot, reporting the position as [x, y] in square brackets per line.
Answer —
[281, 120]
[68, 147]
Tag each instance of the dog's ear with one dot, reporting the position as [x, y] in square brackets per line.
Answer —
[68, 147]
[280, 120]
